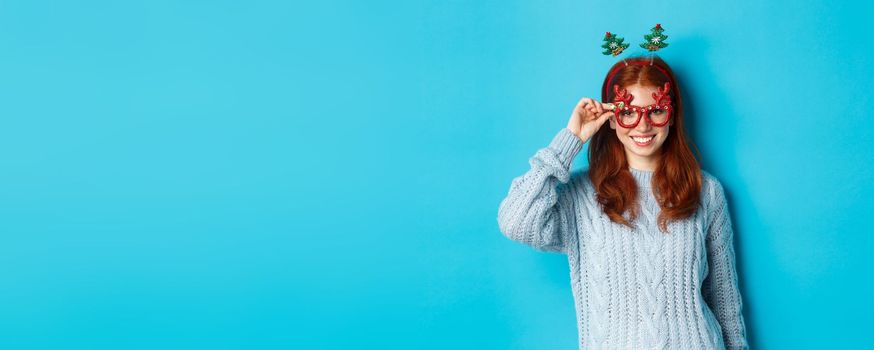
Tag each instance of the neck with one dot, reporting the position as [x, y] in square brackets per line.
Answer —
[643, 163]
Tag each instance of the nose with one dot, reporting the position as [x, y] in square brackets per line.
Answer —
[643, 125]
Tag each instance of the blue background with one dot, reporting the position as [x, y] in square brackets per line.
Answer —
[325, 175]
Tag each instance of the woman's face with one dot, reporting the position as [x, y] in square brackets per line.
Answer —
[642, 155]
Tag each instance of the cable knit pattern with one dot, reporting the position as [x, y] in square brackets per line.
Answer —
[633, 288]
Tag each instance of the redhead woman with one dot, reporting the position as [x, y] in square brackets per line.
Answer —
[647, 232]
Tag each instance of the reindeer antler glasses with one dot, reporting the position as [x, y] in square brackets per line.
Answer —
[657, 114]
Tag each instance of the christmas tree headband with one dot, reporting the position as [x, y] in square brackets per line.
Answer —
[615, 45]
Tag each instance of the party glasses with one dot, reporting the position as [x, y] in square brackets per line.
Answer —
[657, 114]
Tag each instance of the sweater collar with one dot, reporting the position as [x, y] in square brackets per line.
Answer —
[643, 177]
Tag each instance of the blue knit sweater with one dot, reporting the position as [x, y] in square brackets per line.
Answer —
[632, 288]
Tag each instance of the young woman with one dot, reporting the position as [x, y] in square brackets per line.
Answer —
[647, 232]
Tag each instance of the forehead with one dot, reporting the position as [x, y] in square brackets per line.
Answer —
[642, 94]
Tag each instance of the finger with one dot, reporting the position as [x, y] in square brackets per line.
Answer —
[599, 106]
[582, 106]
[593, 112]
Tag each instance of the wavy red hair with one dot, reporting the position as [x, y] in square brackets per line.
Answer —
[677, 179]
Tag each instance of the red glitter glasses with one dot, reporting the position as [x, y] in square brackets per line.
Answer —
[657, 114]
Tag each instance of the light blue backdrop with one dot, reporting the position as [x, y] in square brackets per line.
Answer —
[270, 174]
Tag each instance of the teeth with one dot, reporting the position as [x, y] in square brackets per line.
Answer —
[638, 139]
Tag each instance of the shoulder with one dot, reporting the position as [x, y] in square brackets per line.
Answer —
[710, 184]
[712, 191]
[580, 178]
[579, 182]
[582, 173]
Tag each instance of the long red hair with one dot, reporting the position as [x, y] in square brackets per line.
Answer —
[677, 179]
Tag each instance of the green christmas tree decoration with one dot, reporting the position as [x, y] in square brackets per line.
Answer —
[655, 40]
[613, 44]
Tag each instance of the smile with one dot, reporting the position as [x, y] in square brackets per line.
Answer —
[643, 141]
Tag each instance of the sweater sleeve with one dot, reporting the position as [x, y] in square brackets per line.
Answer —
[536, 210]
[720, 288]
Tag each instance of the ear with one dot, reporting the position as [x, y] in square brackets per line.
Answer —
[612, 123]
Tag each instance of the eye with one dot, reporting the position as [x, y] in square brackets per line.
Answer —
[657, 110]
[625, 113]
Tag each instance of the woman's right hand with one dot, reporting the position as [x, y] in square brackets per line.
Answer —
[588, 116]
